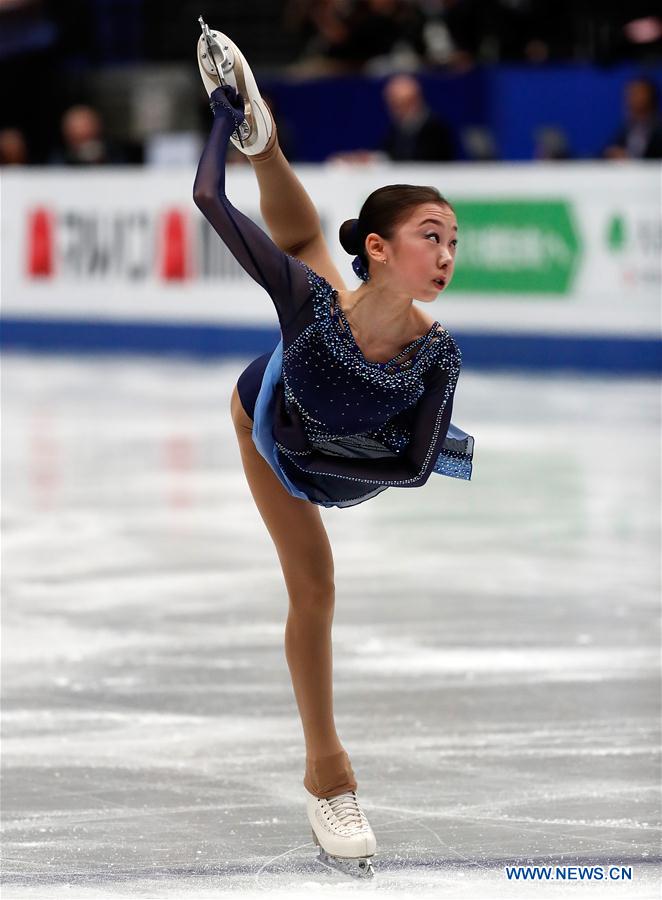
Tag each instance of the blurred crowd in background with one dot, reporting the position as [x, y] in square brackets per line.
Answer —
[112, 82]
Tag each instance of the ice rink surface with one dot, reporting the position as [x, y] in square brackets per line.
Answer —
[496, 646]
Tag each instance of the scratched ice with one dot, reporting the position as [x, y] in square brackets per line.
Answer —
[495, 646]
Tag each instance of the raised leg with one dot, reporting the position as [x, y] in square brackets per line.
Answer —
[304, 551]
[290, 214]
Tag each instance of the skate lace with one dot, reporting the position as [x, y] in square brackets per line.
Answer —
[346, 809]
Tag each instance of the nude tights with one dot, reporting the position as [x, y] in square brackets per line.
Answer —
[295, 525]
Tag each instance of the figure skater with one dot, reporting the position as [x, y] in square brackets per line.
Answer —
[355, 398]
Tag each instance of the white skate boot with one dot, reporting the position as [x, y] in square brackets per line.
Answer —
[221, 62]
[342, 832]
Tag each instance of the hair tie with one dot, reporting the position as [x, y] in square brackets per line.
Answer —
[358, 264]
[360, 269]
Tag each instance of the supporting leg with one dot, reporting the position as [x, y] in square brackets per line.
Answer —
[304, 551]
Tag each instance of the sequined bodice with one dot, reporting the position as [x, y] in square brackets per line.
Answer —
[338, 391]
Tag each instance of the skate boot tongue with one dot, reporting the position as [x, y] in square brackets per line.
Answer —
[346, 809]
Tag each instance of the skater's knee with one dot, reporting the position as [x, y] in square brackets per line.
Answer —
[311, 596]
[307, 564]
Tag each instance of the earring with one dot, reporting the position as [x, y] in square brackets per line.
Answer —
[384, 260]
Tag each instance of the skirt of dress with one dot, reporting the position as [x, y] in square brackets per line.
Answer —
[256, 385]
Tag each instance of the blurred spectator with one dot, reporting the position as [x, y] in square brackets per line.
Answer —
[640, 137]
[416, 134]
[13, 148]
[346, 35]
[551, 143]
[83, 141]
[479, 143]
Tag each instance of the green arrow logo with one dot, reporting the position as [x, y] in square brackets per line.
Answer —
[516, 246]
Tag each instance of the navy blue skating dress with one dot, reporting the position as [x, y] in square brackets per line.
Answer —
[336, 429]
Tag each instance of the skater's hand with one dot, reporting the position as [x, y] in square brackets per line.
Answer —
[225, 99]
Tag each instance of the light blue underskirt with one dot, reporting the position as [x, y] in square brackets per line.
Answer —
[263, 417]
[454, 460]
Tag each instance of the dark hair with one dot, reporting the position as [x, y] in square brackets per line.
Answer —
[382, 212]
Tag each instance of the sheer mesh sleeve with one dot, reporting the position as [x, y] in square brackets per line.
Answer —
[282, 276]
[412, 467]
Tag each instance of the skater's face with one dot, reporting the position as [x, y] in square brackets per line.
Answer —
[421, 253]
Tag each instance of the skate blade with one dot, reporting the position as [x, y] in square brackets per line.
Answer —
[215, 60]
[361, 867]
[356, 867]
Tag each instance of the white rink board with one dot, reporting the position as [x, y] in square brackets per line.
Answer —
[103, 243]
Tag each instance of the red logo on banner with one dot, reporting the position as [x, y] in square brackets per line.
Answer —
[174, 259]
[40, 244]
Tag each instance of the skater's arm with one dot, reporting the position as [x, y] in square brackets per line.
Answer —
[414, 465]
[282, 277]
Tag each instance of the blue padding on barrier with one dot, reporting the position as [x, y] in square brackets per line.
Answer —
[587, 353]
[597, 353]
[70, 335]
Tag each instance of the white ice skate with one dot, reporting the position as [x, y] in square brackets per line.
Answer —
[221, 62]
[342, 832]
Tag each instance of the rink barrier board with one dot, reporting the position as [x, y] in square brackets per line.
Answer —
[571, 249]
[517, 351]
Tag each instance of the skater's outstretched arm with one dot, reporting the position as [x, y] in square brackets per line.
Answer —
[414, 465]
[283, 277]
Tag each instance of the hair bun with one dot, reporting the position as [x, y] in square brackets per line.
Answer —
[349, 237]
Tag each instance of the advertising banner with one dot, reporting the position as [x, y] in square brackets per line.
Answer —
[546, 248]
